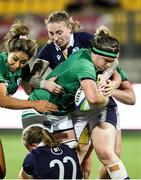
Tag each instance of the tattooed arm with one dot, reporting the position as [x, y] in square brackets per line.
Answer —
[37, 72]
[36, 80]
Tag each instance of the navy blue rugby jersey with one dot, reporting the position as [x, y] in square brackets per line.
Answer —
[59, 162]
[53, 53]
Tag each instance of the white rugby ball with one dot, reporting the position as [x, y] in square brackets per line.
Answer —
[81, 102]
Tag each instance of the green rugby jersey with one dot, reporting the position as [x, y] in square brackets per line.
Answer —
[122, 74]
[77, 67]
[11, 79]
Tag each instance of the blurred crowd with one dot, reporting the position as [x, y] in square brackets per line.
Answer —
[121, 17]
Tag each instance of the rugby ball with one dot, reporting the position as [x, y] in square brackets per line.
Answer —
[81, 102]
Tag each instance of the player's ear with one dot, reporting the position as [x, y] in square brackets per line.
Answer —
[32, 146]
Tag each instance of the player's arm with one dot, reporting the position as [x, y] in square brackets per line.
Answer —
[112, 84]
[102, 78]
[24, 175]
[110, 72]
[36, 80]
[37, 72]
[116, 80]
[93, 95]
[2, 162]
[10, 102]
[125, 93]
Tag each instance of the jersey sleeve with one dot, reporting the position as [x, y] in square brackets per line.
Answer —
[2, 80]
[45, 53]
[122, 74]
[84, 70]
[28, 164]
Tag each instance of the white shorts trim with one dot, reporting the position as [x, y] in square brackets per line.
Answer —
[57, 123]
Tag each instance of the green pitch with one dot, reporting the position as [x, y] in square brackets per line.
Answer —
[15, 152]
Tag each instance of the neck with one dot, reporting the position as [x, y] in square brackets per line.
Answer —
[41, 144]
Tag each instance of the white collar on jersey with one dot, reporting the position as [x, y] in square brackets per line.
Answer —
[71, 43]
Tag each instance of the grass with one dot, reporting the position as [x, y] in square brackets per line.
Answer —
[15, 152]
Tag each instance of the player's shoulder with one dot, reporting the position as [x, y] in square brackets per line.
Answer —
[83, 36]
[46, 49]
[47, 46]
[83, 39]
[58, 150]
[3, 62]
[3, 56]
[67, 149]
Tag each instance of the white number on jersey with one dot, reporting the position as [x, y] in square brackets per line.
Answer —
[61, 166]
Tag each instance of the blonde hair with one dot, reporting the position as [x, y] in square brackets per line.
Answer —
[103, 40]
[17, 40]
[102, 29]
[36, 134]
[58, 16]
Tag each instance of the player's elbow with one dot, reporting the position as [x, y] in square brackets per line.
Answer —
[132, 101]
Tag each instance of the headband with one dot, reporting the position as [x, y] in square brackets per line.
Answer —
[104, 53]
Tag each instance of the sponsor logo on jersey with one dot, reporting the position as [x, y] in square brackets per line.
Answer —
[58, 57]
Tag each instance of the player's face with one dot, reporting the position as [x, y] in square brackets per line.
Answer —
[17, 60]
[59, 33]
[102, 62]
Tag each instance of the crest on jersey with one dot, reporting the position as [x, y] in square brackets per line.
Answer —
[58, 57]
[19, 80]
[56, 150]
[75, 49]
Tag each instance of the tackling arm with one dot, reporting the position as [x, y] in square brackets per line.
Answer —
[37, 72]
[36, 80]
[125, 93]
[109, 72]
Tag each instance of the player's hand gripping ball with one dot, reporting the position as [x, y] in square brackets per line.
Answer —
[81, 102]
